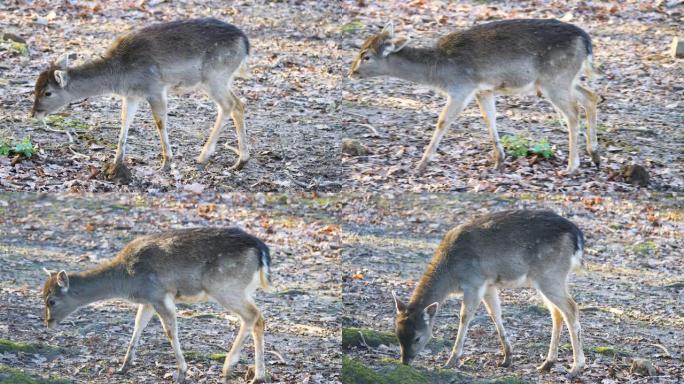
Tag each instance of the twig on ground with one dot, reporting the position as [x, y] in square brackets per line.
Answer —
[372, 129]
[78, 154]
[363, 340]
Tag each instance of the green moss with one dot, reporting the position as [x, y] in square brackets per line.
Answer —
[351, 337]
[352, 27]
[610, 351]
[537, 310]
[644, 248]
[62, 122]
[503, 380]
[392, 371]
[10, 375]
[217, 356]
[43, 349]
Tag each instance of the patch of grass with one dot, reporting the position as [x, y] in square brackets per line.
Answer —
[217, 356]
[537, 310]
[351, 337]
[24, 147]
[62, 122]
[353, 26]
[609, 351]
[9, 346]
[392, 371]
[523, 146]
[503, 380]
[645, 248]
[14, 46]
[9, 375]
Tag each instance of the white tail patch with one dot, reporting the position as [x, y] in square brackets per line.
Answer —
[243, 69]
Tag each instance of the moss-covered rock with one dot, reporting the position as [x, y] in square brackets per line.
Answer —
[10, 375]
[355, 337]
[9, 346]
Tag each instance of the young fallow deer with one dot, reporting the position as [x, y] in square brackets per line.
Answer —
[225, 265]
[143, 65]
[501, 250]
[502, 57]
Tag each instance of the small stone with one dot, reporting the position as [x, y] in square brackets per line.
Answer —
[353, 147]
[643, 367]
[635, 174]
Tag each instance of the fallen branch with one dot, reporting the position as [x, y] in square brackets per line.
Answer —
[65, 131]
[372, 129]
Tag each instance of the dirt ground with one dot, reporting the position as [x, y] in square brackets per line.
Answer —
[76, 232]
[630, 293]
[300, 105]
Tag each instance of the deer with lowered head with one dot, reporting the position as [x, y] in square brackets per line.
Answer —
[501, 57]
[509, 249]
[142, 65]
[225, 265]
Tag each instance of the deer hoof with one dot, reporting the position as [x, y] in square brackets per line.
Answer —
[596, 159]
[117, 173]
[546, 366]
[506, 362]
[239, 164]
[422, 166]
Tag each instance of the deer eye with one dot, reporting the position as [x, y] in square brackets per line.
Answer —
[51, 302]
[48, 94]
[417, 339]
[366, 58]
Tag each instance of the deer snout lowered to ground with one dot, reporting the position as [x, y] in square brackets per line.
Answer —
[142, 66]
[502, 57]
[502, 250]
[225, 265]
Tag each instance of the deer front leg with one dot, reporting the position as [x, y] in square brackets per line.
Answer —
[167, 315]
[145, 312]
[117, 171]
[471, 300]
[455, 104]
[487, 105]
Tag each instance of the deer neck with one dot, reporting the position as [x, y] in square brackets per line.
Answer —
[419, 65]
[434, 286]
[93, 78]
[106, 282]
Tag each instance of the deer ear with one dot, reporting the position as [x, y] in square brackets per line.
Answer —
[401, 307]
[63, 280]
[389, 28]
[431, 310]
[393, 45]
[62, 61]
[49, 272]
[61, 78]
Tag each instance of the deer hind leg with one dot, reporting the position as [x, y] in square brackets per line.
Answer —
[557, 325]
[145, 313]
[487, 104]
[471, 300]
[493, 306]
[588, 99]
[167, 315]
[564, 100]
[250, 319]
[557, 295]
[158, 106]
[227, 102]
[455, 104]
[128, 109]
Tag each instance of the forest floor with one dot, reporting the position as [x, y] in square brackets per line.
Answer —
[630, 291]
[300, 104]
[76, 232]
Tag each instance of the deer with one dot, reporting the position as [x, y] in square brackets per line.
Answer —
[141, 66]
[509, 249]
[508, 57]
[224, 265]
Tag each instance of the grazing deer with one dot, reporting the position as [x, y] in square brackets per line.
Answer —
[502, 57]
[501, 250]
[158, 271]
[143, 65]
